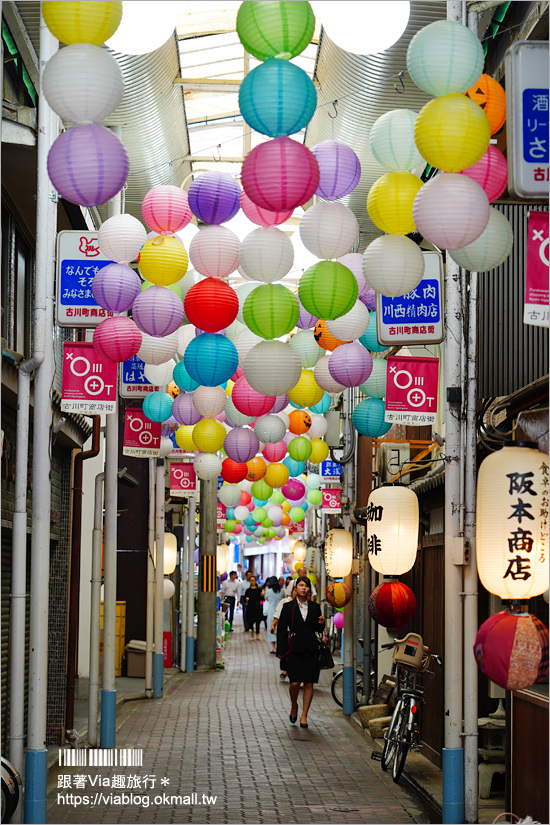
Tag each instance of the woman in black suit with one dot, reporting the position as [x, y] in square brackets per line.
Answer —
[297, 646]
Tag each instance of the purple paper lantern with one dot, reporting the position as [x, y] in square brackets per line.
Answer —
[241, 444]
[339, 169]
[184, 410]
[88, 164]
[196, 556]
[214, 197]
[281, 402]
[116, 287]
[350, 364]
[368, 298]
[223, 577]
[158, 311]
[306, 320]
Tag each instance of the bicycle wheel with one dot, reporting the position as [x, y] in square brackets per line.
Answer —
[402, 744]
[390, 739]
[337, 688]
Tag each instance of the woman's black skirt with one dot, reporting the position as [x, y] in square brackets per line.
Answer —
[301, 667]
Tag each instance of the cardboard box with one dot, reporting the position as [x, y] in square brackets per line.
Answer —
[135, 659]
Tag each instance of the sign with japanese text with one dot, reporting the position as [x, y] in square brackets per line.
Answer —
[536, 309]
[141, 435]
[89, 380]
[332, 500]
[167, 648]
[411, 390]
[295, 528]
[133, 383]
[417, 316]
[220, 515]
[183, 480]
[330, 470]
[78, 261]
[526, 67]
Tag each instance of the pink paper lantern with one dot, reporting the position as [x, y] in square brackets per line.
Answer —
[184, 410]
[451, 211]
[158, 311]
[280, 174]
[339, 169]
[350, 364]
[293, 489]
[115, 287]
[118, 339]
[250, 402]
[166, 209]
[241, 444]
[491, 172]
[338, 620]
[262, 217]
[88, 164]
[275, 452]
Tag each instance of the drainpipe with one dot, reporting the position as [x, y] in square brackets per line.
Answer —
[95, 612]
[348, 689]
[158, 657]
[183, 588]
[74, 581]
[149, 628]
[190, 646]
[46, 224]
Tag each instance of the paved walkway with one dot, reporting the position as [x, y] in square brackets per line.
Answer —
[227, 734]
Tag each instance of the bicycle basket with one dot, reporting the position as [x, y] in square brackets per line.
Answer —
[409, 678]
[410, 651]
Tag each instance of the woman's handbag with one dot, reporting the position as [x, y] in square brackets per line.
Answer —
[265, 608]
[324, 657]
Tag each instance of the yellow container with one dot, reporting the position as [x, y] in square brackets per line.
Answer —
[120, 635]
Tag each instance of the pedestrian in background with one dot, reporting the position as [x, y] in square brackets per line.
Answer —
[273, 594]
[244, 587]
[254, 613]
[231, 591]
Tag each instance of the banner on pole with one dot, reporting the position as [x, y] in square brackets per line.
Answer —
[141, 435]
[411, 391]
[183, 480]
[220, 515]
[89, 381]
[536, 310]
[331, 501]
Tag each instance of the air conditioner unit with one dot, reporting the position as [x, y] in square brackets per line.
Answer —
[393, 458]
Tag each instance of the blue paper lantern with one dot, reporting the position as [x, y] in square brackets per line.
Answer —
[230, 513]
[158, 406]
[369, 339]
[211, 359]
[296, 406]
[277, 98]
[321, 406]
[259, 502]
[368, 418]
[295, 468]
[182, 378]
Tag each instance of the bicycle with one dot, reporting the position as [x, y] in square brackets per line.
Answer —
[411, 659]
[337, 685]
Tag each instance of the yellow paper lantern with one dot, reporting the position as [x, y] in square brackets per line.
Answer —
[298, 565]
[276, 475]
[209, 435]
[90, 21]
[286, 506]
[338, 553]
[307, 391]
[163, 260]
[184, 437]
[452, 132]
[390, 202]
[229, 388]
[319, 450]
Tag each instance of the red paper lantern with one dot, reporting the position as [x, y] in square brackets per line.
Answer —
[511, 649]
[338, 594]
[245, 499]
[211, 305]
[392, 604]
[233, 471]
[280, 174]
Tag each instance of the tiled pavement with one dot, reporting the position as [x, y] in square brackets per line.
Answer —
[226, 733]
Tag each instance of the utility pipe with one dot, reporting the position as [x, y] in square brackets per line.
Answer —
[206, 602]
[348, 686]
[36, 768]
[150, 609]
[190, 646]
[95, 612]
[183, 590]
[158, 657]
[74, 576]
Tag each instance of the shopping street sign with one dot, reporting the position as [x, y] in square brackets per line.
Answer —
[183, 480]
[141, 435]
[89, 381]
[535, 308]
[78, 261]
[133, 383]
[411, 390]
[330, 470]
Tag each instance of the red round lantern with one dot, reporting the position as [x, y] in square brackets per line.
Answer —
[511, 649]
[211, 305]
[280, 174]
[233, 471]
[392, 604]
[338, 594]
[245, 498]
[117, 339]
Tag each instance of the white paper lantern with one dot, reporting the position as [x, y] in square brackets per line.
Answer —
[375, 385]
[319, 427]
[166, 446]
[241, 512]
[121, 237]
[237, 418]
[266, 254]
[169, 589]
[276, 515]
[451, 211]
[229, 494]
[222, 558]
[445, 57]
[185, 335]
[170, 553]
[234, 330]
[272, 367]
[491, 248]
[393, 265]
[392, 141]
[299, 551]
[214, 251]
[324, 378]
[338, 553]
[270, 429]
[392, 529]
[209, 401]
[207, 466]
[306, 346]
[352, 325]
[329, 230]
[313, 481]
[284, 418]
[83, 83]
[190, 278]
[245, 485]
[244, 343]
[159, 374]
[158, 350]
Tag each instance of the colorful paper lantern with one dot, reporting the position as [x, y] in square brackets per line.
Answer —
[233, 471]
[392, 604]
[88, 164]
[157, 406]
[452, 132]
[299, 448]
[159, 374]
[117, 339]
[319, 451]
[184, 438]
[350, 365]
[323, 405]
[392, 532]
[511, 649]
[234, 417]
[451, 211]
[157, 311]
[229, 495]
[314, 497]
[338, 594]
[271, 311]
[214, 197]
[491, 248]
[211, 305]
[209, 435]
[293, 490]
[280, 174]
[353, 261]
[491, 97]
[375, 385]
[306, 391]
[184, 410]
[256, 469]
[276, 476]
[163, 260]
[338, 553]
[324, 377]
[319, 427]
[183, 379]
[166, 209]
[210, 359]
[82, 22]
[351, 325]
[269, 429]
[249, 401]
[295, 468]
[272, 368]
[393, 265]
[328, 289]
[115, 287]
[325, 339]
[369, 339]
[339, 169]
[214, 251]
[266, 254]
[491, 172]
[368, 418]
[299, 422]
[275, 29]
[209, 401]
[306, 319]
[83, 83]
[445, 57]
[260, 488]
[329, 230]
[304, 343]
[296, 515]
[157, 350]
[241, 444]
[277, 98]
[207, 466]
[121, 237]
[390, 202]
[338, 620]
[262, 217]
[275, 452]
[392, 141]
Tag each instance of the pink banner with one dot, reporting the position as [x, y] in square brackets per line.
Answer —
[89, 383]
[141, 435]
[294, 528]
[331, 501]
[411, 390]
[220, 514]
[536, 311]
[183, 481]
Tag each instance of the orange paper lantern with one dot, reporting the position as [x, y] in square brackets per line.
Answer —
[490, 95]
[256, 469]
[300, 422]
[326, 339]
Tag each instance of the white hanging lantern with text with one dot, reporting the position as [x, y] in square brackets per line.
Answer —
[392, 529]
[338, 553]
[299, 551]
[170, 553]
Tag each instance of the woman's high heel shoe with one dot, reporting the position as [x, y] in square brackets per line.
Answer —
[303, 724]
[293, 719]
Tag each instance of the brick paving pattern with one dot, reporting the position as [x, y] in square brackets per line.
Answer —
[226, 733]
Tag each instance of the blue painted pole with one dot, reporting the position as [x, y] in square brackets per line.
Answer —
[107, 735]
[36, 773]
[348, 706]
[453, 785]
[158, 675]
[190, 654]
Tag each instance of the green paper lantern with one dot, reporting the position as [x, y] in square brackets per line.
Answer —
[270, 533]
[259, 514]
[296, 515]
[277, 497]
[314, 497]
[299, 448]
[261, 541]
[327, 290]
[229, 525]
[267, 523]
[275, 29]
[271, 310]
[261, 490]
